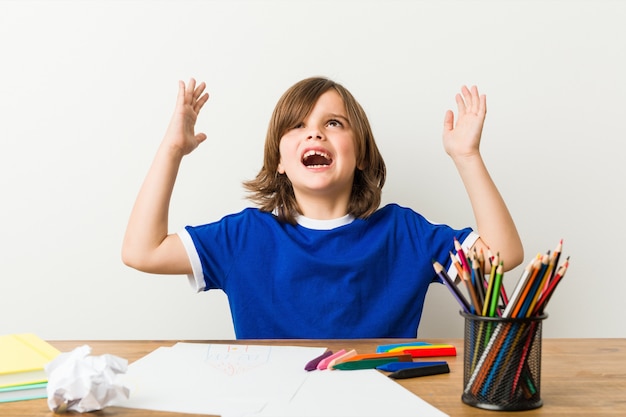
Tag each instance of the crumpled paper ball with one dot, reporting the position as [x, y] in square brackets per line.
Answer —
[83, 383]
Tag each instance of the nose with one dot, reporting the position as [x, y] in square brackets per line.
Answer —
[314, 133]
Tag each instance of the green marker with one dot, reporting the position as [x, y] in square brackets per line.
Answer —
[364, 363]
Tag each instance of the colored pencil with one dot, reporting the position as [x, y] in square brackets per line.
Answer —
[477, 279]
[475, 305]
[497, 283]
[443, 275]
[545, 296]
[461, 255]
[488, 294]
[457, 265]
[557, 256]
[535, 286]
[519, 287]
[542, 283]
[472, 291]
[517, 310]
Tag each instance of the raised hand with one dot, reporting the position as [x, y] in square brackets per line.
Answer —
[181, 135]
[463, 139]
[147, 245]
[462, 142]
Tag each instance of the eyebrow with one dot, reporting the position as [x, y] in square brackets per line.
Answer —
[337, 116]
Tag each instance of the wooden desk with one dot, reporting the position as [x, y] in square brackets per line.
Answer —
[580, 377]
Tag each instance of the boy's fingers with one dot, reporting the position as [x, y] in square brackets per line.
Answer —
[448, 121]
[198, 91]
[473, 99]
[460, 102]
[467, 95]
[191, 88]
[181, 90]
[201, 101]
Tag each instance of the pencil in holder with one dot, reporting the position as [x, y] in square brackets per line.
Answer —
[502, 362]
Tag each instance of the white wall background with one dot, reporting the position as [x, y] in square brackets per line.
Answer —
[87, 88]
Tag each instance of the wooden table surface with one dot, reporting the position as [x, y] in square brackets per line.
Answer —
[579, 377]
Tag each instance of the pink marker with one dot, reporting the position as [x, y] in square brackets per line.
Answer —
[324, 362]
[341, 358]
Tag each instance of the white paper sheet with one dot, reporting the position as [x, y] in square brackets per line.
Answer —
[263, 381]
[362, 393]
[229, 380]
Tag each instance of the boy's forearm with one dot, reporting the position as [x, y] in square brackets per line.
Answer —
[493, 219]
[148, 223]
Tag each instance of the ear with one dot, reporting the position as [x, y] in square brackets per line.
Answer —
[280, 168]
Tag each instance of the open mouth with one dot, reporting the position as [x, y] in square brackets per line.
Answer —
[316, 159]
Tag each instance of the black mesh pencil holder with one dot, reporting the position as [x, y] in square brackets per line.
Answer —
[502, 363]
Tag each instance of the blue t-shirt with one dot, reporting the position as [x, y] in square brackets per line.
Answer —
[365, 279]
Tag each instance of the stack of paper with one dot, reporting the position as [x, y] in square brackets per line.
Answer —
[22, 361]
[261, 381]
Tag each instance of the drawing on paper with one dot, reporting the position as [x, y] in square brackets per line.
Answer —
[237, 359]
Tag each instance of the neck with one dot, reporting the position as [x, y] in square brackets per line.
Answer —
[323, 208]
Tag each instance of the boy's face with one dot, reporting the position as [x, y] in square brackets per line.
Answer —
[318, 154]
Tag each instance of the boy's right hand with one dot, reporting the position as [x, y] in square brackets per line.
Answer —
[463, 138]
[180, 136]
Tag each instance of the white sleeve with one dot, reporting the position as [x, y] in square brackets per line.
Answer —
[196, 279]
[467, 244]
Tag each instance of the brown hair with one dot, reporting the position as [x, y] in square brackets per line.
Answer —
[273, 191]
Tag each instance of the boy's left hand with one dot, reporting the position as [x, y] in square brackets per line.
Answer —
[463, 139]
